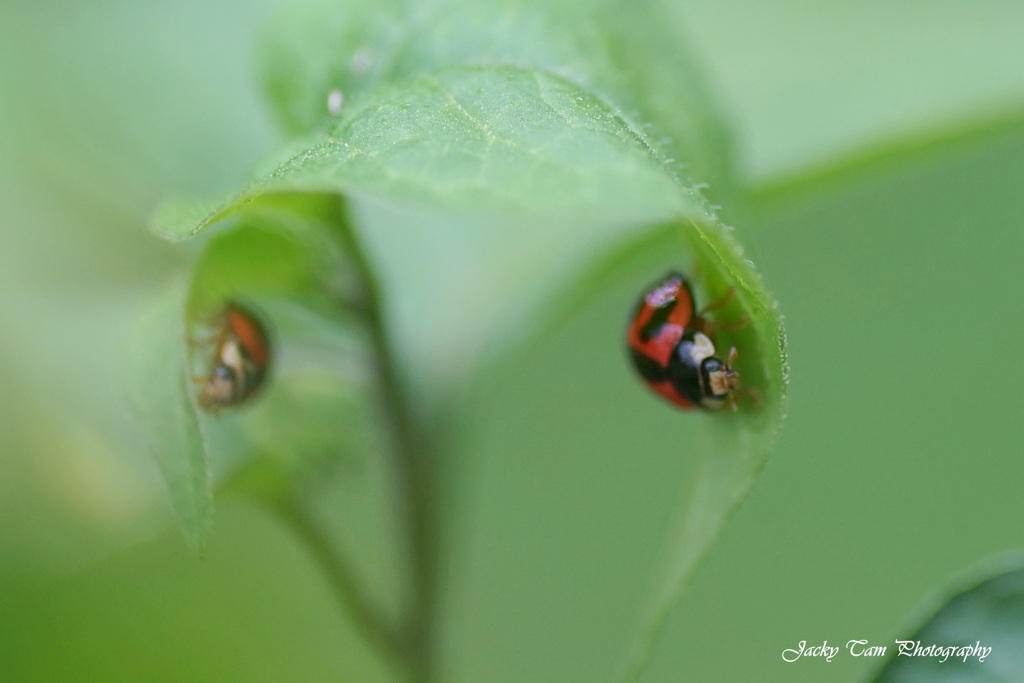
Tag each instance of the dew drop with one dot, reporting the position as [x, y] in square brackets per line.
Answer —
[335, 101]
[361, 62]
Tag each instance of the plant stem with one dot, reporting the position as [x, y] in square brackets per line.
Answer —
[365, 617]
[412, 465]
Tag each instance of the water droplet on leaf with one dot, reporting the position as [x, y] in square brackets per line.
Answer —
[335, 101]
[361, 62]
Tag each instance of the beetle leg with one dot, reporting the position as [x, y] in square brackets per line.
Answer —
[709, 327]
[749, 393]
[215, 338]
[733, 326]
[721, 302]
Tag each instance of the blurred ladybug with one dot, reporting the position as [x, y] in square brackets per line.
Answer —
[240, 360]
[672, 347]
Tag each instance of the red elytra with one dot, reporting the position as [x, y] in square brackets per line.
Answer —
[240, 360]
[250, 332]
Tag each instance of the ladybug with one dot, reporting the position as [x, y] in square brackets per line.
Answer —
[673, 351]
[240, 360]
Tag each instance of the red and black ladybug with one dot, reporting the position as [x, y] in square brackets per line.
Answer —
[672, 348]
[240, 360]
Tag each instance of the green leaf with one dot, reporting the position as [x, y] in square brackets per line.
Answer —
[166, 417]
[880, 160]
[983, 614]
[311, 411]
[731, 449]
[312, 416]
[494, 106]
[483, 139]
[289, 272]
[579, 470]
[627, 55]
[279, 250]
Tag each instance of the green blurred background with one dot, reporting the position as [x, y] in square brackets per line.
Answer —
[898, 468]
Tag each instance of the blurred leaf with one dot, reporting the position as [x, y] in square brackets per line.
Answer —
[987, 613]
[312, 416]
[810, 82]
[871, 163]
[166, 417]
[308, 426]
[311, 411]
[294, 275]
[279, 250]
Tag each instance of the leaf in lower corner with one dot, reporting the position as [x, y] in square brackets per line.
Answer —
[975, 635]
[166, 419]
